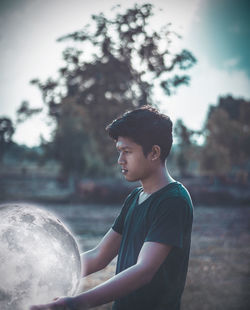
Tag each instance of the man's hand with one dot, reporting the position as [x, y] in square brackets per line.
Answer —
[62, 303]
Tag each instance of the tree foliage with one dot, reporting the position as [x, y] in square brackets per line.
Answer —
[114, 65]
[227, 136]
[24, 112]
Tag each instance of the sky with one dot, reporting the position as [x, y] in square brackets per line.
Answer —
[217, 32]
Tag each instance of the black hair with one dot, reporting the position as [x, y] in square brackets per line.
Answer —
[146, 126]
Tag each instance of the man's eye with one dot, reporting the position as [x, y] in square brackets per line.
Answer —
[124, 152]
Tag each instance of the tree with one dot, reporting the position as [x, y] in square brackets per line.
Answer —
[78, 156]
[6, 133]
[126, 61]
[227, 136]
[187, 148]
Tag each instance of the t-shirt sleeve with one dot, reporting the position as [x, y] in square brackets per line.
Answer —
[168, 223]
[119, 221]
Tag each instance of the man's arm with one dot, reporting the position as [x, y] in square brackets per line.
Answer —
[151, 256]
[99, 257]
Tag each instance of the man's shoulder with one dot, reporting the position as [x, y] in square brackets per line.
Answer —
[175, 191]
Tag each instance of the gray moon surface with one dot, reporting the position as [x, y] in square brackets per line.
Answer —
[39, 257]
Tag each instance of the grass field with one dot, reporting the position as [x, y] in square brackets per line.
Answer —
[219, 268]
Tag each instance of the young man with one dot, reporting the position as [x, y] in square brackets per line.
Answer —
[152, 234]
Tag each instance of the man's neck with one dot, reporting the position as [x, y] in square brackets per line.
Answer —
[156, 181]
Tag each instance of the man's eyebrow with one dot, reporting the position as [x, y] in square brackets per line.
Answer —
[123, 147]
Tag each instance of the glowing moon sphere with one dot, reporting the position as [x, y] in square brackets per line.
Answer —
[39, 257]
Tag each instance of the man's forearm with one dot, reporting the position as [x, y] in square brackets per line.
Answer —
[118, 286]
[90, 263]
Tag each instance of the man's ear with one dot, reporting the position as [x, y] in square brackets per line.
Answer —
[155, 153]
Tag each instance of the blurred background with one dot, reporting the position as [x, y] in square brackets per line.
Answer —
[68, 68]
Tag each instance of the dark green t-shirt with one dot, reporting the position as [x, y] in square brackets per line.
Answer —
[165, 217]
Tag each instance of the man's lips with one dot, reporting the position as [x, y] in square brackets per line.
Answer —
[124, 170]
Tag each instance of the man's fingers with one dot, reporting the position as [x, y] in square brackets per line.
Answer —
[58, 304]
[39, 307]
[50, 306]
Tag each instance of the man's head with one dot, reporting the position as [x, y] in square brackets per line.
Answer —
[145, 126]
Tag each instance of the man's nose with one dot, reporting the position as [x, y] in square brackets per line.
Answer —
[120, 159]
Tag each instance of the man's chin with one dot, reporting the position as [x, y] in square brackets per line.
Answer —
[130, 179]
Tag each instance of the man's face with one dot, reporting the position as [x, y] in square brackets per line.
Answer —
[134, 165]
